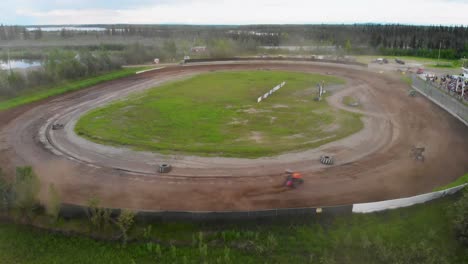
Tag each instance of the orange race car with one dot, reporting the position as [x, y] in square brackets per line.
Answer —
[293, 179]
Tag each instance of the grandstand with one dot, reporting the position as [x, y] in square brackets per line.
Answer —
[455, 85]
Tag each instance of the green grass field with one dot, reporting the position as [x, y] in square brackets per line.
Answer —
[45, 92]
[217, 114]
[421, 234]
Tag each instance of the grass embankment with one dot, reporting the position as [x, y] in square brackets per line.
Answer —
[217, 114]
[462, 180]
[408, 80]
[420, 234]
[45, 92]
[446, 65]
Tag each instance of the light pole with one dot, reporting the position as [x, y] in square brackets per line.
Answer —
[440, 46]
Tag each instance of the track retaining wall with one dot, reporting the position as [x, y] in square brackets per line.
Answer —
[404, 202]
[450, 104]
[69, 211]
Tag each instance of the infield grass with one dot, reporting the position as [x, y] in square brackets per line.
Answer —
[217, 114]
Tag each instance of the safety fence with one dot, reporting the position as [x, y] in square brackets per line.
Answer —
[275, 59]
[441, 98]
[69, 211]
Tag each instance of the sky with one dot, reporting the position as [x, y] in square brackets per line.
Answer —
[238, 12]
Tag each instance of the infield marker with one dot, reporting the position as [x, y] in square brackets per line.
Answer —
[276, 88]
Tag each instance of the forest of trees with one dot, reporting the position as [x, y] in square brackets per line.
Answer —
[364, 38]
[66, 56]
[59, 65]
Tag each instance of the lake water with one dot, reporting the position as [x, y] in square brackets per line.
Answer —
[67, 28]
[19, 64]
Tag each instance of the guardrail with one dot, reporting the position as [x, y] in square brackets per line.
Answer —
[153, 69]
[404, 202]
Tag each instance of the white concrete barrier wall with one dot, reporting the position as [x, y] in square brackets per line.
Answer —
[153, 69]
[403, 202]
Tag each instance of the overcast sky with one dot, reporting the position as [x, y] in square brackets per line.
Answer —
[422, 12]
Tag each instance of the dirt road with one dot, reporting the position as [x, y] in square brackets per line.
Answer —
[373, 164]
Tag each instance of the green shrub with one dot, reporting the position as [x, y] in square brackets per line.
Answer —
[124, 222]
[26, 189]
[6, 193]
[98, 217]
[53, 205]
[460, 218]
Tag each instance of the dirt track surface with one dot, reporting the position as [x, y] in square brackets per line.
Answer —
[373, 164]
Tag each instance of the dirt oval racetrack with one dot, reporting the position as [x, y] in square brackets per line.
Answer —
[372, 165]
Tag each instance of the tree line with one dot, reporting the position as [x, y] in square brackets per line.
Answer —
[388, 39]
[58, 65]
[170, 43]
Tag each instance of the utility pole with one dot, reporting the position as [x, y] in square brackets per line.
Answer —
[440, 46]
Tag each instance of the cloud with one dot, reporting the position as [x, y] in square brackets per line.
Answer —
[242, 11]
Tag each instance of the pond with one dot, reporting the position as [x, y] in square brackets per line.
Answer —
[19, 64]
[69, 28]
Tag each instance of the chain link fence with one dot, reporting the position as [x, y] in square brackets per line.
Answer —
[455, 106]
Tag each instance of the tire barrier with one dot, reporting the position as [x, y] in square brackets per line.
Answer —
[326, 160]
[57, 126]
[165, 168]
[275, 59]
